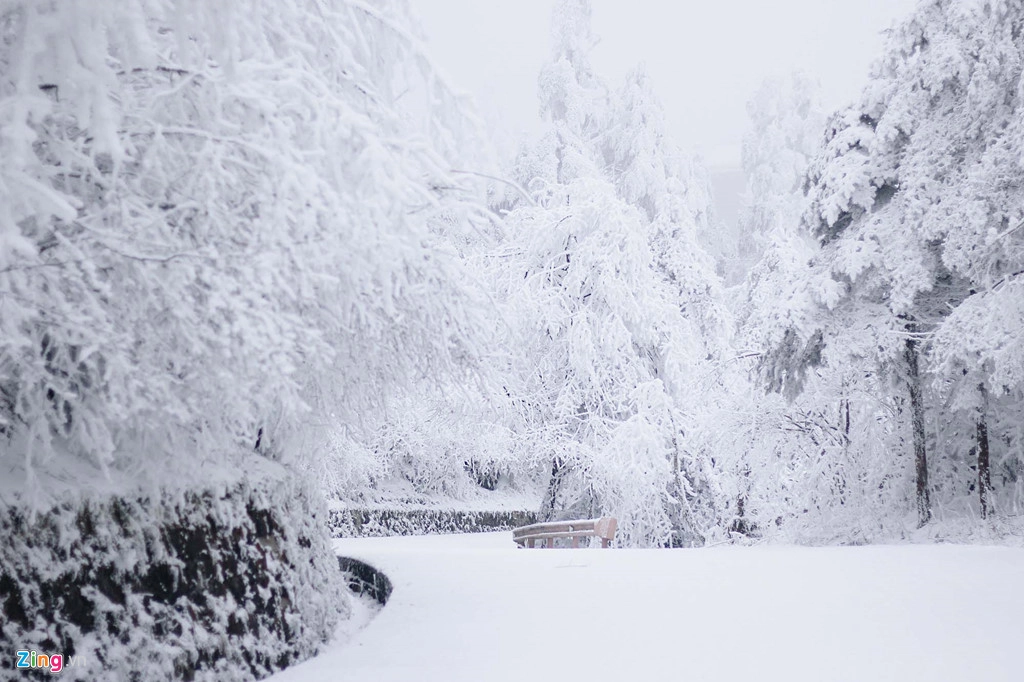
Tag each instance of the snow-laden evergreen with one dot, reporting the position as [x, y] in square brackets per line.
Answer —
[913, 204]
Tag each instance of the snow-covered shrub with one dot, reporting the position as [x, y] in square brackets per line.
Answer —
[225, 581]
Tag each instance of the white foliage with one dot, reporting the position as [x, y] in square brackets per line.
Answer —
[232, 222]
[617, 305]
[785, 133]
[914, 201]
[219, 220]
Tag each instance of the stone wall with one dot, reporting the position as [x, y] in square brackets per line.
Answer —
[227, 583]
[346, 523]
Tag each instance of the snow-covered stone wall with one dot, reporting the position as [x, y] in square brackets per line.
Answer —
[349, 523]
[229, 582]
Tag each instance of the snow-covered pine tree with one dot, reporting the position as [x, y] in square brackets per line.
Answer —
[956, 72]
[766, 434]
[870, 278]
[673, 190]
[907, 203]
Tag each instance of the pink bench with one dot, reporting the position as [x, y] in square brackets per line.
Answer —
[604, 528]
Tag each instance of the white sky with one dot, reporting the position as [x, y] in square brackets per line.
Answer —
[705, 57]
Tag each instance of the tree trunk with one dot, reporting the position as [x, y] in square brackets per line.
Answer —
[740, 523]
[684, 529]
[846, 423]
[924, 507]
[984, 469]
[550, 501]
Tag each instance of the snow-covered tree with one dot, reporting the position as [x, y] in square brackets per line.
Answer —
[957, 76]
[651, 173]
[219, 222]
[913, 203]
[617, 302]
[786, 127]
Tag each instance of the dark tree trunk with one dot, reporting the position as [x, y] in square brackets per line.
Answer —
[984, 470]
[846, 422]
[550, 502]
[740, 523]
[924, 506]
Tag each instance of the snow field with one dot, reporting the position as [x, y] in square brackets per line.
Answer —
[474, 608]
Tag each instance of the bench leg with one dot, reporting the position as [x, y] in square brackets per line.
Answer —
[575, 541]
[605, 543]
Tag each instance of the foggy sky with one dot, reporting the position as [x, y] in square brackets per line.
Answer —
[705, 59]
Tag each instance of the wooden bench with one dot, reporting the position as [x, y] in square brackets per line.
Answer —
[604, 528]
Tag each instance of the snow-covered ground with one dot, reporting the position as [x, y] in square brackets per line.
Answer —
[473, 608]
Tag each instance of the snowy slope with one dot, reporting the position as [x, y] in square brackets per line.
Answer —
[474, 608]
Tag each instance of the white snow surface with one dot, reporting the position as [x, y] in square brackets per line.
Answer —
[474, 608]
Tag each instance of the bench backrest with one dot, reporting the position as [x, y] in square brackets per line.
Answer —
[604, 528]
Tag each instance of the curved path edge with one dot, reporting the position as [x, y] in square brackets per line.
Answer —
[364, 579]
